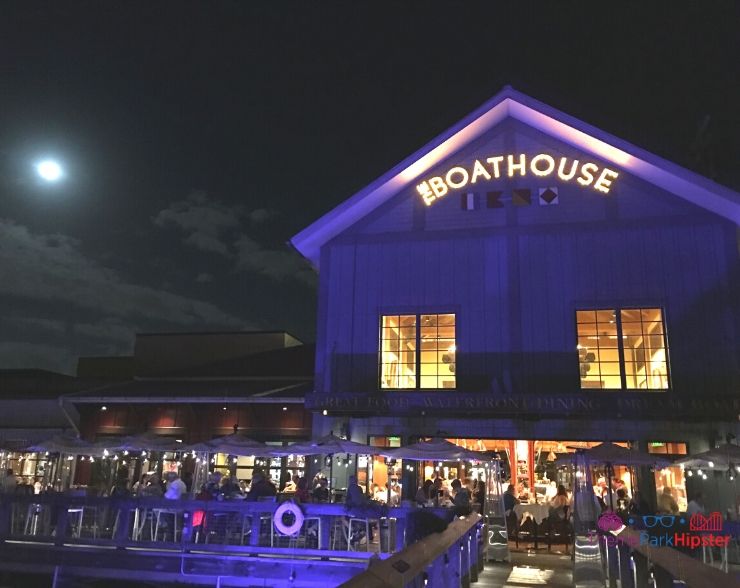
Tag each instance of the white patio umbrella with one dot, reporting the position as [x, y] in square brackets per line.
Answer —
[611, 454]
[144, 442]
[234, 444]
[719, 458]
[69, 445]
[327, 445]
[436, 450]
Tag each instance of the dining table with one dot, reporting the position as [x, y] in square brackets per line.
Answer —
[538, 513]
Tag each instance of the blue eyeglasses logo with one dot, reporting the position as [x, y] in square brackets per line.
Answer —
[651, 521]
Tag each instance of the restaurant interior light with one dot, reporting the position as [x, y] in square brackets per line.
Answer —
[103, 407]
[711, 464]
[325, 412]
[285, 408]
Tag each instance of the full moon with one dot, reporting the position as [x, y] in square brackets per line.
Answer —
[49, 170]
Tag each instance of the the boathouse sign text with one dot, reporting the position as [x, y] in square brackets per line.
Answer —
[541, 165]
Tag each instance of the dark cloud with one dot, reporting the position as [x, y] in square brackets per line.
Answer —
[280, 265]
[214, 227]
[203, 221]
[43, 277]
[34, 270]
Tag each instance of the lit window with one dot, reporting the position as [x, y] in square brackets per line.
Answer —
[417, 351]
[622, 349]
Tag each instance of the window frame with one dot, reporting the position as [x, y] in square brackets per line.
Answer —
[620, 345]
[417, 355]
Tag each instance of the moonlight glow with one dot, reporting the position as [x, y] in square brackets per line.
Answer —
[49, 170]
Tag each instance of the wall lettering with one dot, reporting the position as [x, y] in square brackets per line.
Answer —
[541, 165]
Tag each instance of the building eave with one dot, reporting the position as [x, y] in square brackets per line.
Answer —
[510, 103]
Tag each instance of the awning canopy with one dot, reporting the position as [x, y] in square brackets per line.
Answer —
[440, 450]
[234, 444]
[328, 445]
[613, 454]
[69, 445]
[144, 442]
[719, 458]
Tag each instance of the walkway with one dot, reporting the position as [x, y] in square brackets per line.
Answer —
[529, 570]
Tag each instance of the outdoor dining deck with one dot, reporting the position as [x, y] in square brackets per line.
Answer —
[197, 541]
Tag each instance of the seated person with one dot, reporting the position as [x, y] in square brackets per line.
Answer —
[261, 487]
[461, 498]
[666, 503]
[560, 499]
[301, 493]
[321, 492]
[510, 499]
[292, 484]
[355, 495]
[422, 494]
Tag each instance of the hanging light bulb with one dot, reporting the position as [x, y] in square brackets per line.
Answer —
[125, 452]
[105, 452]
[699, 472]
[123, 462]
[143, 453]
[711, 464]
[704, 477]
[689, 473]
[115, 458]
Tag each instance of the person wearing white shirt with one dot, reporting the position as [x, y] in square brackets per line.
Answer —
[696, 505]
[175, 487]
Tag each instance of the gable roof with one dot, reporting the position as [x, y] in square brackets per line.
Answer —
[510, 103]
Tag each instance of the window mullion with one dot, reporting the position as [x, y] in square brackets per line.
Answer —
[418, 351]
[620, 347]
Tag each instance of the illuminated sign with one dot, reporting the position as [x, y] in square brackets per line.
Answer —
[541, 165]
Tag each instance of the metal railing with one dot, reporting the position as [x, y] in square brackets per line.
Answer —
[629, 562]
[450, 559]
[194, 538]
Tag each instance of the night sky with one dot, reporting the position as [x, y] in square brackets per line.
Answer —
[197, 138]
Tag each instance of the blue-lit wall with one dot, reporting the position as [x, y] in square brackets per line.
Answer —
[515, 275]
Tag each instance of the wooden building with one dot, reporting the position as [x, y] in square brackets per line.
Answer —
[193, 387]
[528, 283]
